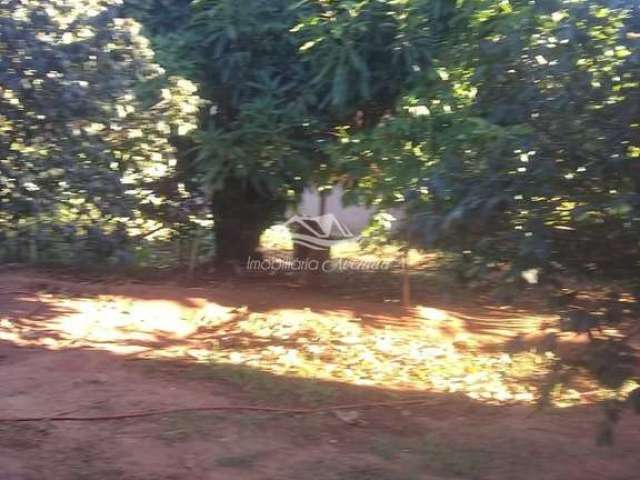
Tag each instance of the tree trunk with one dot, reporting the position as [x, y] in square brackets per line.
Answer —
[240, 216]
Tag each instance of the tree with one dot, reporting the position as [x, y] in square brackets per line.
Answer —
[280, 77]
[520, 148]
[255, 143]
[82, 157]
[522, 136]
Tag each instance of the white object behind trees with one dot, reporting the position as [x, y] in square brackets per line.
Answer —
[355, 217]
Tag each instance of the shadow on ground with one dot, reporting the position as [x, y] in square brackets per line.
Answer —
[99, 349]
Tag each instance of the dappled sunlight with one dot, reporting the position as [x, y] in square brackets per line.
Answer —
[338, 347]
[431, 350]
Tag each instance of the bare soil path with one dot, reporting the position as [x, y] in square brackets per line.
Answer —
[94, 348]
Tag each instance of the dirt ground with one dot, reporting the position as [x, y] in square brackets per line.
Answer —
[82, 347]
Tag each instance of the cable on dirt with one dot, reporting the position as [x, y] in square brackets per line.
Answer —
[169, 411]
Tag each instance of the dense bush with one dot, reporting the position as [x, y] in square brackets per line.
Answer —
[85, 161]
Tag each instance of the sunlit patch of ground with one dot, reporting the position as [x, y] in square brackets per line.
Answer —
[430, 352]
[335, 347]
[277, 239]
[87, 336]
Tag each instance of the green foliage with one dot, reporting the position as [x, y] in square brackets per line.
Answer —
[279, 77]
[83, 159]
[520, 141]
[257, 129]
[519, 147]
[362, 53]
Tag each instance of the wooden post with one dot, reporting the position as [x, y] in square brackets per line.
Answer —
[33, 245]
[406, 279]
[193, 255]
